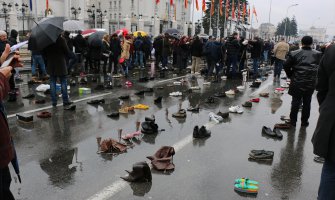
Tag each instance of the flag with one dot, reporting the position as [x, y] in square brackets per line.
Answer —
[186, 3]
[220, 6]
[203, 5]
[233, 10]
[239, 10]
[196, 4]
[157, 1]
[175, 12]
[244, 11]
[47, 4]
[171, 2]
[227, 8]
[212, 7]
[254, 12]
[31, 5]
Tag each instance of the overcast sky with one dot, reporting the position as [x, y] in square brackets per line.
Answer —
[320, 13]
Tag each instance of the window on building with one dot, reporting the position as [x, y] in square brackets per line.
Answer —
[110, 5]
[132, 3]
[115, 16]
[114, 4]
[120, 4]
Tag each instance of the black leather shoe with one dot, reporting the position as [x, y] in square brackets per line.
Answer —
[267, 131]
[70, 108]
[196, 132]
[203, 132]
[68, 103]
[158, 100]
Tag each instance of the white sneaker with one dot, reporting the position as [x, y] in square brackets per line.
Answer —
[230, 92]
[236, 109]
[176, 94]
[207, 83]
[177, 83]
[279, 92]
[223, 78]
[215, 118]
[241, 88]
[284, 85]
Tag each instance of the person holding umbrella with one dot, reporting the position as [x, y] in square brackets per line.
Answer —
[7, 153]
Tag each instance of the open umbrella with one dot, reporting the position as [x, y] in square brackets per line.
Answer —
[45, 32]
[141, 32]
[73, 25]
[96, 38]
[123, 32]
[172, 31]
[15, 164]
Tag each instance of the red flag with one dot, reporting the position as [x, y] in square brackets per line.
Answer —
[186, 3]
[254, 12]
[239, 10]
[227, 8]
[47, 3]
[212, 7]
[157, 1]
[233, 10]
[203, 5]
[196, 4]
[171, 2]
[244, 11]
[220, 6]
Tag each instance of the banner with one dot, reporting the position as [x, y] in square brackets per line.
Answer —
[221, 7]
[203, 5]
[212, 8]
[186, 3]
[233, 10]
[227, 9]
[196, 4]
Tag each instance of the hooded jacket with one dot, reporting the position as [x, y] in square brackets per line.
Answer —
[302, 67]
[233, 46]
[13, 37]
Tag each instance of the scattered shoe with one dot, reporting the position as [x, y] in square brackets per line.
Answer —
[176, 94]
[70, 108]
[264, 94]
[255, 84]
[131, 135]
[261, 155]
[246, 180]
[201, 133]
[319, 159]
[180, 114]
[68, 103]
[284, 118]
[215, 118]
[246, 188]
[141, 107]
[230, 92]
[149, 127]
[124, 97]
[220, 94]
[162, 160]
[210, 100]
[158, 100]
[149, 90]
[223, 115]
[141, 173]
[97, 101]
[278, 133]
[193, 109]
[195, 88]
[247, 104]
[255, 100]
[25, 117]
[236, 109]
[29, 96]
[114, 115]
[268, 132]
[40, 101]
[283, 126]
[44, 115]
[139, 93]
[240, 88]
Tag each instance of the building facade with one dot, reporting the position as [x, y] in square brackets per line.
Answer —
[318, 34]
[267, 31]
[144, 15]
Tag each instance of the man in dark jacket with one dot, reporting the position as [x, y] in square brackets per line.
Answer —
[233, 49]
[214, 56]
[115, 47]
[158, 46]
[6, 145]
[196, 52]
[166, 50]
[55, 55]
[138, 45]
[324, 136]
[80, 45]
[301, 67]
[256, 53]
[72, 59]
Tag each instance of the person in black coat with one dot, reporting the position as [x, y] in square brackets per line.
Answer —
[80, 48]
[324, 135]
[233, 49]
[196, 52]
[256, 53]
[158, 46]
[301, 67]
[115, 47]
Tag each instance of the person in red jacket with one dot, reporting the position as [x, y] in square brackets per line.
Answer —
[6, 147]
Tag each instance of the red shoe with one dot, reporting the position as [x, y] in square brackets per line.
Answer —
[256, 100]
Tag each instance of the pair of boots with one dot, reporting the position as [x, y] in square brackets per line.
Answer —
[201, 133]
[141, 173]
[149, 126]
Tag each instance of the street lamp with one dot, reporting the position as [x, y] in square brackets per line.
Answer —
[5, 9]
[286, 17]
[101, 15]
[92, 13]
[23, 10]
[75, 12]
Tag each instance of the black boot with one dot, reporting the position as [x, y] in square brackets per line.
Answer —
[141, 173]
[196, 132]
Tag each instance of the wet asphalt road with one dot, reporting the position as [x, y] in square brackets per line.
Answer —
[58, 156]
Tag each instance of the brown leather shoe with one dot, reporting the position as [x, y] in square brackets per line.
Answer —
[44, 114]
[283, 126]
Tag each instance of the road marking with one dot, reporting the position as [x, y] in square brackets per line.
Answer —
[109, 191]
[60, 104]
[171, 79]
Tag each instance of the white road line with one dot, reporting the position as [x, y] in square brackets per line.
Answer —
[60, 104]
[109, 191]
[171, 79]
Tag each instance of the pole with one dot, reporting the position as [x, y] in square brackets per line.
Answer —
[95, 17]
[270, 11]
[5, 12]
[217, 23]
[23, 21]
[286, 17]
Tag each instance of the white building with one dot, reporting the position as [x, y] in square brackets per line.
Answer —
[112, 15]
[267, 31]
[318, 34]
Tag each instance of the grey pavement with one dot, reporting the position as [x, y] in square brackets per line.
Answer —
[58, 156]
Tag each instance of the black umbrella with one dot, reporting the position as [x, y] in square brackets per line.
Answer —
[96, 38]
[172, 31]
[15, 164]
[45, 32]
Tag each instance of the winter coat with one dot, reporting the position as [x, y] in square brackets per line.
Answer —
[233, 46]
[115, 46]
[95, 50]
[196, 48]
[80, 44]
[324, 135]
[214, 51]
[55, 56]
[256, 49]
[2, 46]
[302, 67]
[166, 51]
[125, 49]
[280, 50]
[267, 46]
[7, 150]
[12, 40]
[105, 50]
[158, 45]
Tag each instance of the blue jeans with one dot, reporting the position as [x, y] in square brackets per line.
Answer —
[164, 61]
[278, 67]
[72, 61]
[327, 183]
[53, 80]
[265, 54]
[38, 60]
[255, 66]
[139, 58]
[232, 60]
